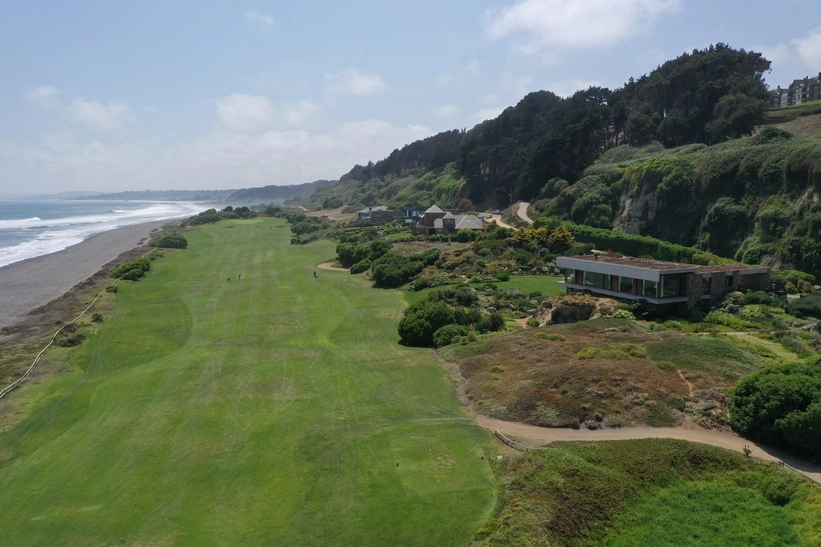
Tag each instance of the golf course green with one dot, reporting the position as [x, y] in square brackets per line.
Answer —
[274, 409]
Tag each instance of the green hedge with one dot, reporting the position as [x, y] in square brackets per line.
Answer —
[636, 245]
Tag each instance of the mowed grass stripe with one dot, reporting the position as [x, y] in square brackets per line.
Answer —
[271, 409]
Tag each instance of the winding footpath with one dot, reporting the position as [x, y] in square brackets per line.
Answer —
[524, 433]
[520, 210]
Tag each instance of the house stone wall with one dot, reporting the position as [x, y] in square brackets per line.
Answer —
[693, 289]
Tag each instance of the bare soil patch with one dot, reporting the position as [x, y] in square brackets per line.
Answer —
[330, 266]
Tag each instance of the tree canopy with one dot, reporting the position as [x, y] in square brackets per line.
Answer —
[781, 406]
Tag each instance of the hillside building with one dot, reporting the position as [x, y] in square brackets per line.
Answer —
[377, 215]
[798, 92]
[436, 221]
[656, 281]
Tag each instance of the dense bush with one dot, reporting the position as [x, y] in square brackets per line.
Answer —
[70, 341]
[140, 264]
[781, 406]
[362, 266]
[807, 305]
[206, 217]
[350, 253]
[170, 241]
[453, 306]
[761, 297]
[449, 334]
[132, 275]
[423, 319]
[393, 270]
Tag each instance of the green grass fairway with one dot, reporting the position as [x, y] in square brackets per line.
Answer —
[272, 410]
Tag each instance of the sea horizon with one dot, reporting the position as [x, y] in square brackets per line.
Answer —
[35, 227]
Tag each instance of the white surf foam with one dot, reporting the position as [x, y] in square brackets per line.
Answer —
[52, 235]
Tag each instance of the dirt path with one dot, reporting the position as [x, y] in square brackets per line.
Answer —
[689, 385]
[520, 210]
[534, 436]
[330, 267]
[498, 220]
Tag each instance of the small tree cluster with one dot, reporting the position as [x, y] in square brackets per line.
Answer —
[132, 270]
[349, 254]
[781, 406]
[392, 270]
[445, 315]
[170, 241]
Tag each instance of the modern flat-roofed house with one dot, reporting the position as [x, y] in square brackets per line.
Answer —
[656, 281]
[377, 215]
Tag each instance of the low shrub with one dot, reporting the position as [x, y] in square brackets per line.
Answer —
[133, 275]
[142, 264]
[170, 241]
[552, 336]
[544, 416]
[70, 341]
[618, 352]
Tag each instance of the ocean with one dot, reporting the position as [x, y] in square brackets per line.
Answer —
[34, 228]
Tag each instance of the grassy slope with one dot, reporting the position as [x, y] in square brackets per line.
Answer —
[271, 410]
[651, 492]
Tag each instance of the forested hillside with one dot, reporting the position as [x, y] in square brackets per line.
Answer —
[669, 154]
[706, 96]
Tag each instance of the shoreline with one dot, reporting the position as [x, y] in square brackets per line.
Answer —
[34, 282]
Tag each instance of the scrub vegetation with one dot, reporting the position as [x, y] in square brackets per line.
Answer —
[650, 492]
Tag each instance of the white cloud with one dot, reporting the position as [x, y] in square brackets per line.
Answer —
[262, 21]
[566, 88]
[488, 113]
[516, 86]
[245, 112]
[445, 111]
[550, 25]
[97, 115]
[796, 59]
[809, 48]
[445, 79]
[221, 159]
[300, 114]
[352, 82]
[44, 95]
[778, 54]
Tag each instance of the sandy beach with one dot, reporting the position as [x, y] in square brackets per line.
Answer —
[31, 283]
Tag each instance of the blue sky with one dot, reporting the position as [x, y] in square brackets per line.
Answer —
[108, 96]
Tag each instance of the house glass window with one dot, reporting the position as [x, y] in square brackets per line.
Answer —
[569, 275]
[649, 288]
[670, 285]
[626, 284]
[597, 280]
[728, 282]
[705, 285]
